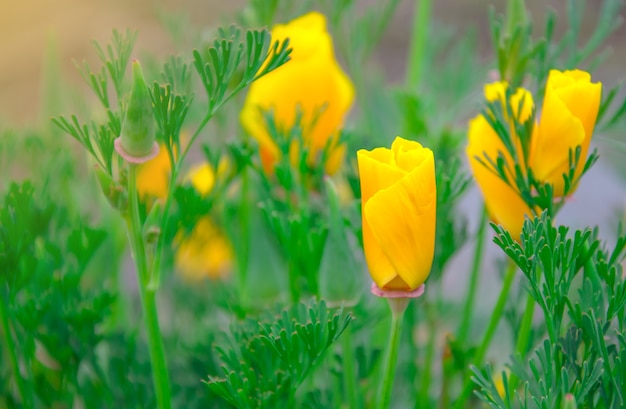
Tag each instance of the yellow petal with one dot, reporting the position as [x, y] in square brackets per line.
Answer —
[570, 110]
[557, 133]
[402, 221]
[504, 205]
[311, 83]
[154, 175]
[202, 178]
[376, 171]
[204, 253]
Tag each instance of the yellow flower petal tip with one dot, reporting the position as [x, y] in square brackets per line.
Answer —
[399, 203]
[311, 85]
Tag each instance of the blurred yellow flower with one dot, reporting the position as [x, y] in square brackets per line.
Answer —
[153, 176]
[205, 252]
[504, 205]
[569, 112]
[568, 116]
[313, 84]
[399, 203]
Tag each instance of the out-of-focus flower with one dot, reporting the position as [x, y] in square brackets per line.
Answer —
[311, 84]
[504, 204]
[153, 176]
[399, 202]
[205, 252]
[568, 116]
[569, 112]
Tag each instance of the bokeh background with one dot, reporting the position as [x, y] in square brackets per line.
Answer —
[29, 27]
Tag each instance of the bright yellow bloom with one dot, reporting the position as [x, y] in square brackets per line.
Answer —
[504, 205]
[568, 116]
[205, 252]
[569, 112]
[399, 203]
[311, 83]
[153, 176]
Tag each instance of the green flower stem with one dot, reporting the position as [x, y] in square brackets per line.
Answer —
[6, 329]
[418, 43]
[398, 306]
[160, 376]
[527, 322]
[429, 356]
[350, 380]
[496, 315]
[474, 276]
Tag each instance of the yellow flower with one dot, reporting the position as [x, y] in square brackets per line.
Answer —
[399, 202]
[311, 83]
[153, 176]
[504, 205]
[569, 112]
[205, 252]
[568, 116]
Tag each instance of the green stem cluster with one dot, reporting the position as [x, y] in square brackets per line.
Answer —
[160, 376]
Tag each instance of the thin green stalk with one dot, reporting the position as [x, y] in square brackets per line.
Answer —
[429, 357]
[27, 401]
[418, 43]
[468, 309]
[350, 380]
[398, 305]
[526, 326]
[160, 376]
[496, 315]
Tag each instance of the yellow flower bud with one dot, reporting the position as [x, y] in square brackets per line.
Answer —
[399, 203]
[312, 83]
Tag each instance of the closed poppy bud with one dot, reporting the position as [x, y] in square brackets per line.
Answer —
[311, 86]
[568, 117]
[504, 204]
[137, 143]
[399, 203]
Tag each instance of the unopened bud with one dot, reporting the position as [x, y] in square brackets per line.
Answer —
[137, 143]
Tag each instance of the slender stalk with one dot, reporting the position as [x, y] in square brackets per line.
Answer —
[418, 43]
[350, 380]
[429, 357]
[526, 326]
[160, 376]
[474, 276]
[398, 305]
[19, 380]
[496, 315]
